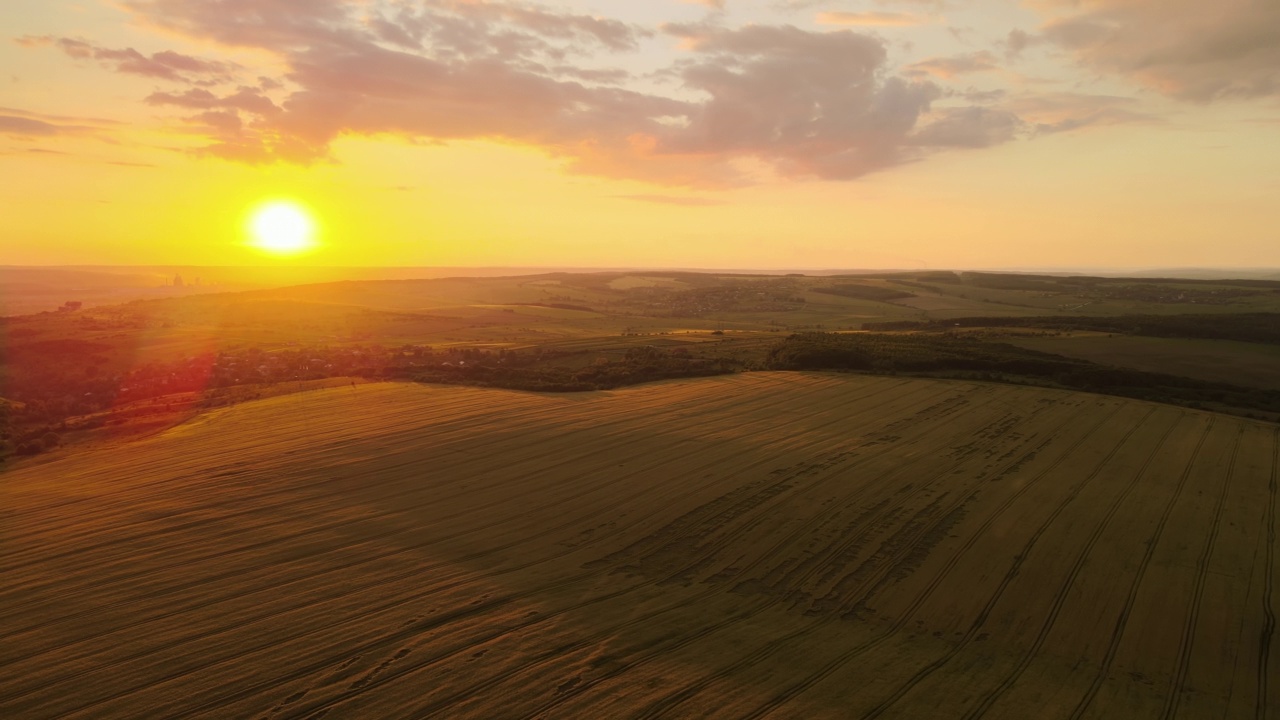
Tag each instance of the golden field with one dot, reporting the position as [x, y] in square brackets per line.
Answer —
[757, 545]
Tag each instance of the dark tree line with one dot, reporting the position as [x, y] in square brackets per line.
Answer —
[54, 393]
[1244, 327]
[971, 357]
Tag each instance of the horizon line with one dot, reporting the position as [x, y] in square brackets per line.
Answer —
[652, 268]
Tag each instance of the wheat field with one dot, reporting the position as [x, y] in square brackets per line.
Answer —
[760, 545]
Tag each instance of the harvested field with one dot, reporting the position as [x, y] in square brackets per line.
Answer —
[760, 545]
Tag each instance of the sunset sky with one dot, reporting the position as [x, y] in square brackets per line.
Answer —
[602, 133]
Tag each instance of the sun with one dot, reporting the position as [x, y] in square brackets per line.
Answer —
[282, 227]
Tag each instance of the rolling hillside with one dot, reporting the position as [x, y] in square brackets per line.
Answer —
[757, 545]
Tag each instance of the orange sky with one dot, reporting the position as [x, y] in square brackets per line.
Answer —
[801, 134]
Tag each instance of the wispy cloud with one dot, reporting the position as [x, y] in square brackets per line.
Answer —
[1181, 48]
[26, 126]
[1068, 111]
[744, 102]
[59, 119]
[947, 68]
[970, 127]
[872, 19]
[33, 127]
[164, 65]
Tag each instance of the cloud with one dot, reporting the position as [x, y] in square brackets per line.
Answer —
[1063, 112]
[948, 68]
[248, 99]
[27, 126]
[809, 104]
[165, 65]
[466, 21]
[16, 122]
[439, 69]
[120, 163]
[1017, 41]
[1185, 49]
[969, 127]
[749, 102]
[871, 19]
[928, 6]
[982, 97]
[451, 27]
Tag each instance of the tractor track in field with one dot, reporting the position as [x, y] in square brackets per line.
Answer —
[659, 647]
[1174, 698]
[125, 494]
[833, 666]
[347, 590]
[931, 396]
[1268, 588]
[980, 620]
[322, 529]
[745, 547]
[1060, 597]
[403, 669]
[1122, 621]
[694, 406]
[676, 698]
[319, 530]
[145, 492]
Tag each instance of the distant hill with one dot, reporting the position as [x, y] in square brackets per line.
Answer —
[1211, 273]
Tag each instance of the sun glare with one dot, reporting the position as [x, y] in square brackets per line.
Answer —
[283, 228]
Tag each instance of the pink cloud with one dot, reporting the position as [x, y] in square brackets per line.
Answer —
[1066, 111]
[251, 100]
[12, 125]
[1183, 48]
[811, 104]
[797, 103]
[948, 68]
[165, 65]
[871, 19]
[969, 127]
[24, 123]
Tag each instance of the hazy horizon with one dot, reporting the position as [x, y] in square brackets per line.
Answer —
[693, 134]
[1106, 270]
